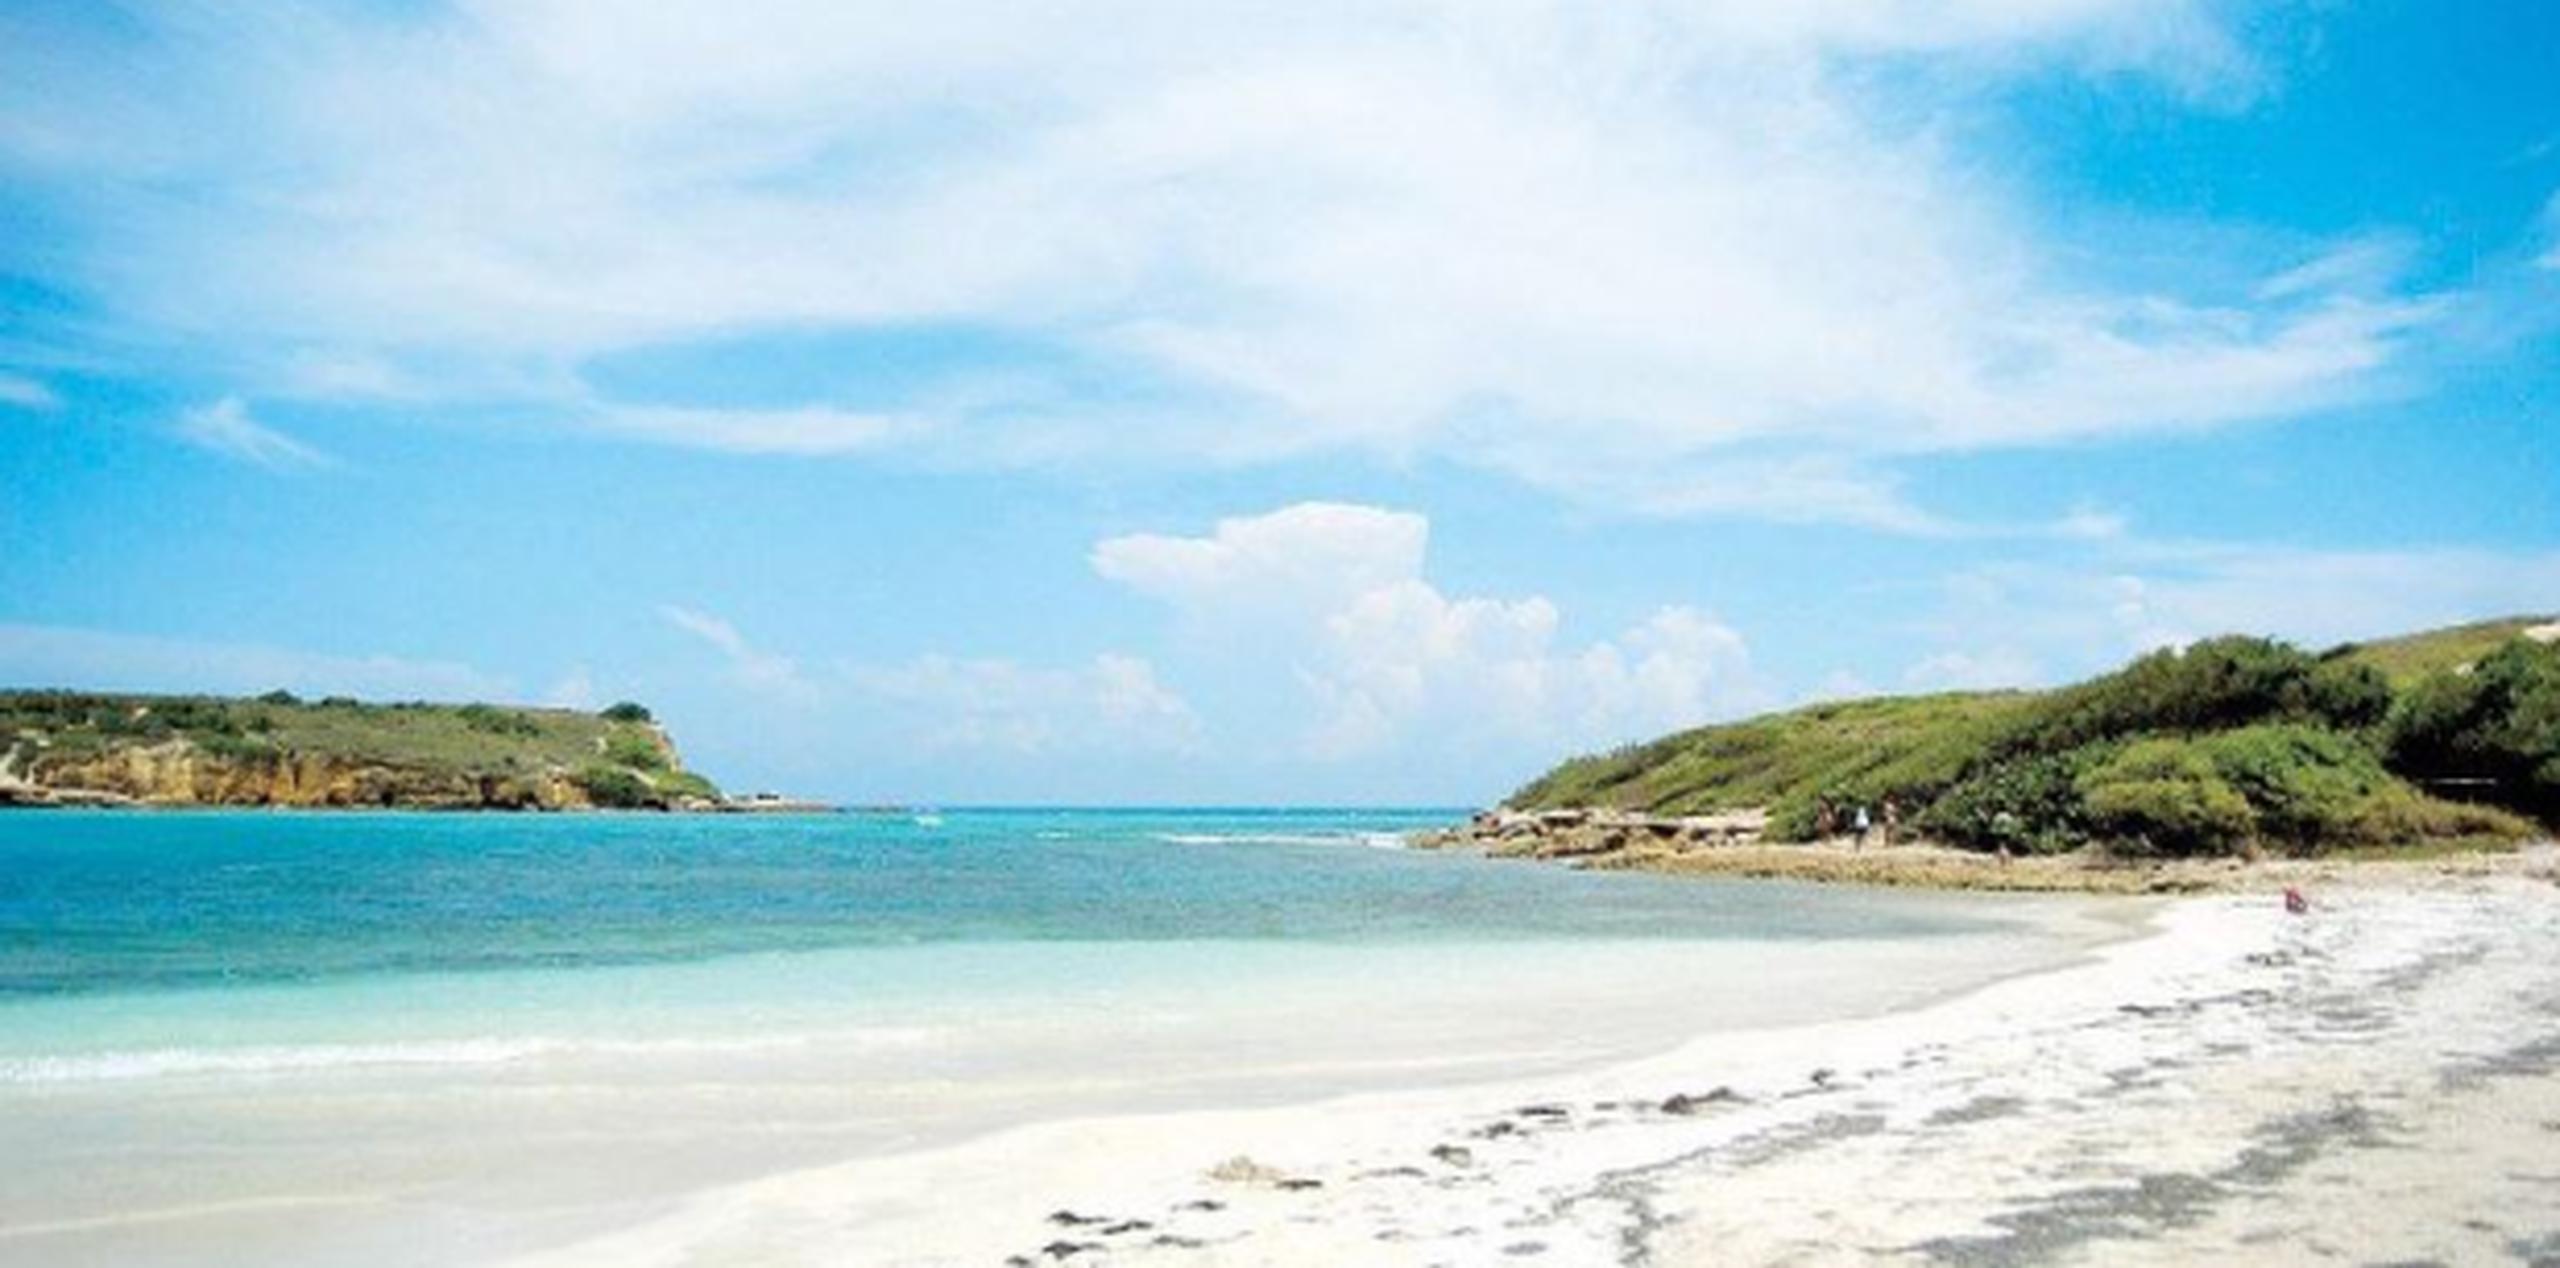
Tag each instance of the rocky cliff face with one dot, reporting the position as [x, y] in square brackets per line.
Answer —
[61, 747]
[180, 773]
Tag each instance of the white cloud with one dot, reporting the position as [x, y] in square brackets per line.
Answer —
[1113, 703]
[1337, 597]
[225, 427]
[1665, 257]
[2089, 523]
[2551, 234]
[1311, 556]
[61, 656]
[26, 393]
[748, 666]
[804, 432]
[327, 374]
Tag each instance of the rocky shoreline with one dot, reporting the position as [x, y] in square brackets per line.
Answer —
[1736, 844]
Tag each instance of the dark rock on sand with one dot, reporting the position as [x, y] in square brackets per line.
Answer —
[1684, 1103]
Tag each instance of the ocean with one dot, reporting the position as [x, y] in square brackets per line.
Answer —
[428, 1038]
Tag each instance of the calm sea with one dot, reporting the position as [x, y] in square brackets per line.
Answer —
[286, 1038]
[120, 902]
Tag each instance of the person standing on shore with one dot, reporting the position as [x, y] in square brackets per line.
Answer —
[1861, 823]
[1892, 819]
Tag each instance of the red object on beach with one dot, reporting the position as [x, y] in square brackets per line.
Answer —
[2294, 901]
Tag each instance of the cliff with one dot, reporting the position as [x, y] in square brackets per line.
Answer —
[79, 748]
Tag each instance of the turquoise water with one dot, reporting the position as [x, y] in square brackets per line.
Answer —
[96, 903]
[314, 1039]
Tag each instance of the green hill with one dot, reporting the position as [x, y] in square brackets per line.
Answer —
[2233, 745]
[63, 746]
[2410, 657]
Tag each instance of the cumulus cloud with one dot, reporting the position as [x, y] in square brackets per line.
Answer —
[226, 427]
[1386, 659]
[1311, 556]
[1661, 256]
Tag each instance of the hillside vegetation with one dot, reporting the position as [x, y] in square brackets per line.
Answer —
[2230, 746]
[278, 750]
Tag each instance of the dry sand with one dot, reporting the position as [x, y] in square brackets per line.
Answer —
[2377, 1081]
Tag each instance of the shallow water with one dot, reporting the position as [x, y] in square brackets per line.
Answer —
[428, 1039]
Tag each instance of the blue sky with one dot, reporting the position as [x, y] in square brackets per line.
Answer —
[1247, 403]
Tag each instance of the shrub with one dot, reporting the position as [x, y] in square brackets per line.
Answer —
[2398, 815]
[2498, 725]
[2346, 694]
[2213, 685]
[674, 784]
[2304, 785]
[635, 750]
[2030, 804]
[495, 721]
[627, 711]
[2163, 796]
[235, 748]
[616, 789]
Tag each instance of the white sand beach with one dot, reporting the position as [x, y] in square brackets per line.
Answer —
[2376, 1081]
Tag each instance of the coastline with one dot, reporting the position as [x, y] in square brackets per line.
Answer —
[2224, 1085]
[1734, 846]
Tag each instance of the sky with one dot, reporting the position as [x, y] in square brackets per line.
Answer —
[1242, 402]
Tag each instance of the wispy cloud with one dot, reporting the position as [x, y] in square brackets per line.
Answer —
[64, 656]
[1112, 703]
[805, 432]
[1659, 257]
[2007, 624]
[2550, 258]
[941, 702]
[226, 427]
[750, 667]
[26, 393]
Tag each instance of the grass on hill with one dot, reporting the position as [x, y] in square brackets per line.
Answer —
[471, 739]
[2233, 745]
[1766, 760]
[2411, 657]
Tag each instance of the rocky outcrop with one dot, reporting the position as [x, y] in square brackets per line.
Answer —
[182, 773]
[1590, 835]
